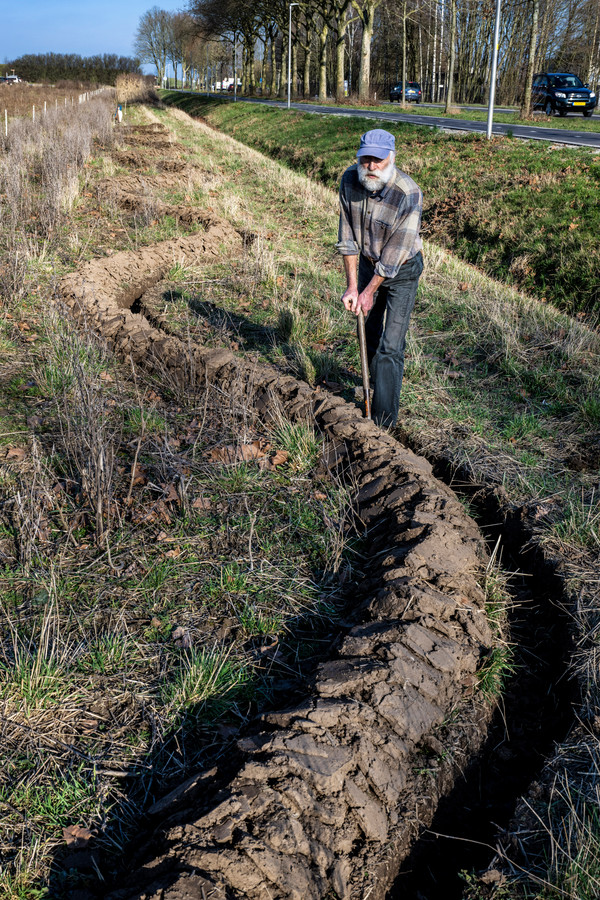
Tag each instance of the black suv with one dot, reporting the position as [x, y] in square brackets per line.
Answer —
[413, 92]
[562, 92]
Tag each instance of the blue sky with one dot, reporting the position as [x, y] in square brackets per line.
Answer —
[73, 26]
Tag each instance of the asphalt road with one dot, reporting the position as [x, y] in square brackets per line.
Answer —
[525, 132]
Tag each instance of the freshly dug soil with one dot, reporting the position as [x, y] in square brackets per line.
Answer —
[330, 794]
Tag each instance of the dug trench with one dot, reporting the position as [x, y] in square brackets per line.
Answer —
[331, 793]
[535, 713]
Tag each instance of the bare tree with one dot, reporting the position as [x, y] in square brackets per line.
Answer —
[366, 12]
[153, 39]
[451, 57]
[533, 39]
[341, 10]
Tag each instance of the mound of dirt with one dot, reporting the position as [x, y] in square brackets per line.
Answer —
[135, 194]
[327, 792]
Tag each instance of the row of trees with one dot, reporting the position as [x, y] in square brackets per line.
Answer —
[363, 46]
[55, 67]
[165, 38]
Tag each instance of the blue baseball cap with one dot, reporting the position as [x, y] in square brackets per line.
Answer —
[377, 143]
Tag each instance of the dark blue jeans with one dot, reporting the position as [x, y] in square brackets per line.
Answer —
[394, 302]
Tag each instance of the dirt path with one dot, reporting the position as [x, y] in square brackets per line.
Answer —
[331, 793]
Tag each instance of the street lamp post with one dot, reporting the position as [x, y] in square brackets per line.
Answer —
[290, 56]
[490, 115]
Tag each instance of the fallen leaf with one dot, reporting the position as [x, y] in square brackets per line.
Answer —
[278, 458]
[201, 503]
[493, 876]
[231, 454]
[15, 453]
[170, 495]
[77, 836]
[158, 512]
[174, 553]
[155, 623]
[138, 475]
[181, 636]
[319, 495]
[107, 377]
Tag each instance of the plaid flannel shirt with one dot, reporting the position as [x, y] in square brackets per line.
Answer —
[383, 226]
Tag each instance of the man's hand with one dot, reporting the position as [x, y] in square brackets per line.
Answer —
[366, 301]
[354, 302]
[350, 299]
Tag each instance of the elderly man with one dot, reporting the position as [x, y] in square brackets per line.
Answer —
[380, 218]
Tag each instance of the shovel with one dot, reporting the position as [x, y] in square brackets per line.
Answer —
[364, 364]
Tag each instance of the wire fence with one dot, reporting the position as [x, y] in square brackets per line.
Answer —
[42, 111]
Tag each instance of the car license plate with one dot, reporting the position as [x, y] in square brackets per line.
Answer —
[577, 103]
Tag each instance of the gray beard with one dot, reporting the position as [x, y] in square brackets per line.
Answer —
[375, 182]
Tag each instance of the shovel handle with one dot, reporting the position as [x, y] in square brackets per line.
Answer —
[364, 364]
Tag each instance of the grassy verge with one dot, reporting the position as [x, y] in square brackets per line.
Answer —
[499, 387]
[524, 214]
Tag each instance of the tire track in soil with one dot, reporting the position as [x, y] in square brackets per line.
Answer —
[330, 794]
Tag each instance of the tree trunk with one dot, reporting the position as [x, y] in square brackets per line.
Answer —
[264, 67]
[323, 62]
[283, 70]
[340, 58]
[273, 84]
[306, 74]
[452, 57]
[367, 14]
[294, 85]
[526, 108]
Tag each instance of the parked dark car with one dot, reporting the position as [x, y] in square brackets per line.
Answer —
[413, 92]
[562, 92]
